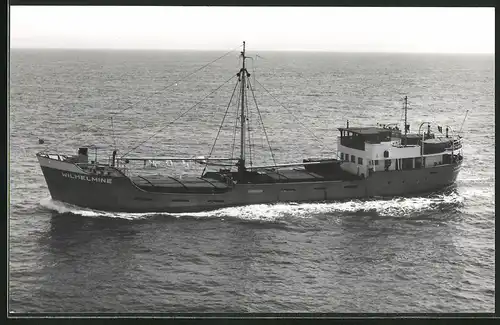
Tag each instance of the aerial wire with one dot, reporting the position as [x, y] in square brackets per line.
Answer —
[177, 118]
[134, 105]
[296, 119]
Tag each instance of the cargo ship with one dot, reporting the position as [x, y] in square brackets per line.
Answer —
[382, 160]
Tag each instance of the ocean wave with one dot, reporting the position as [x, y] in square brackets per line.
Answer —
[396, 207]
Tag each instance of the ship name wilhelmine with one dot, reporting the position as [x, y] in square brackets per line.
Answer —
[88, 178]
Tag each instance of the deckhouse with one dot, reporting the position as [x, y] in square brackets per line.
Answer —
[365, 150]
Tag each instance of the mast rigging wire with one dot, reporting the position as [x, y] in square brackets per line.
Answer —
[113, 132]
[221, 124]
[262, 122]
[235, 124]
[297, 120]
[300, 75]
[177, 118]
[248, 128]
[123, 110]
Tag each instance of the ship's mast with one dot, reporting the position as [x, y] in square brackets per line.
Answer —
[406, 117]
[242, 75]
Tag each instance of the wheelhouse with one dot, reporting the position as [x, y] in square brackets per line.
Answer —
[356, 138]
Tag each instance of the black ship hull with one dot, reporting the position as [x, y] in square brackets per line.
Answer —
[118, 193]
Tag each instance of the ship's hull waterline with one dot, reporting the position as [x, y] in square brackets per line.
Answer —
[69, 184]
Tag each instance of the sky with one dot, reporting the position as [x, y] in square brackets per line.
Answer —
[348, 29]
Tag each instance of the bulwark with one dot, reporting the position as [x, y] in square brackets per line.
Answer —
[94, 179]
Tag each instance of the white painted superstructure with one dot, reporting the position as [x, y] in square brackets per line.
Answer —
[367, 150]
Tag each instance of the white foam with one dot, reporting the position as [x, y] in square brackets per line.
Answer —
[62, 207]
[271, 212]
[397, 207]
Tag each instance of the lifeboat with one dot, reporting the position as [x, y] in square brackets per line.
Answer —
[436, 145]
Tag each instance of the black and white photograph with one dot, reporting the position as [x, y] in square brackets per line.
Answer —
[175, 159]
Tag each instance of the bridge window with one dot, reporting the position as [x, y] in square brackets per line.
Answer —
[407, 163]
[353, 140]
[360, 161]
[418, 162]
[341, 156]
[346, 157]
[353, 158]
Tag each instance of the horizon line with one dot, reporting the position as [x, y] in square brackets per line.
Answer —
[253, 50]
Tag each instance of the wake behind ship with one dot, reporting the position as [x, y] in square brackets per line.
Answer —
[380, 160]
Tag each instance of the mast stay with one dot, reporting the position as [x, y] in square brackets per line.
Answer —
[101, 122]
[244, 81]
[221, 124]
